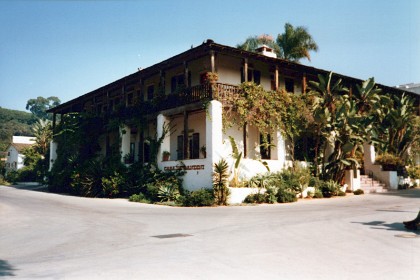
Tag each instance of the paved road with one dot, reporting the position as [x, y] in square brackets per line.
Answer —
[49, 236]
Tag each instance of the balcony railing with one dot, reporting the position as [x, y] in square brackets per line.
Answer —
[199, 93]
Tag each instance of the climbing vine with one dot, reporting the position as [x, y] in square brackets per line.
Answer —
[269, 111]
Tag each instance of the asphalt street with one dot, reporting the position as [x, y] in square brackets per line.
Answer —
[51, 236]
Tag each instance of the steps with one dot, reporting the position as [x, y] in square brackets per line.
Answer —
[369, 185]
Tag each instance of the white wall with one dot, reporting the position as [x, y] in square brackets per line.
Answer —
[23, 139]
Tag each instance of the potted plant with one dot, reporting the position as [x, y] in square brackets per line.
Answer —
[212, 77]
[165, 155]
[389, 162]
[203, 151]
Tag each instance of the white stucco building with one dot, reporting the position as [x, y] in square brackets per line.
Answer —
[175, 92]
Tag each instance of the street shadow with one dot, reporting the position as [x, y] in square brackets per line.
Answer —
[408, 193]
[6, 269]
[381, 225]
[30, 187]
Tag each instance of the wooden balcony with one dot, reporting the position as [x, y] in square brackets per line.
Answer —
[194, 94]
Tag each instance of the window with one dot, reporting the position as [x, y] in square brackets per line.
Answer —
[253, 76]
[180, 147]
[150, 92]
[146, 149]
[130, 98]
[177, 82]
[195, 146]
[132, 151]
[289, 85]
[265, 147]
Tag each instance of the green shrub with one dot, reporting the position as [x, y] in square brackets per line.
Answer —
[414, 172]
[111, 185]
[256, 198]
[330, 188]
[389, 162]
[358, 192]
[201, 197]
[12, 176]
[341, 193]
[285, 196]
[3, 181]
[318, 194]
[139, 198]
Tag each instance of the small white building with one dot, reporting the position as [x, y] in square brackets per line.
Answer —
[14, 158]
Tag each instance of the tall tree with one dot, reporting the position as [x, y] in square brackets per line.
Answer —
[40, 105]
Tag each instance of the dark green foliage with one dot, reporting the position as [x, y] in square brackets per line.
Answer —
[142, 198]
[14, 122]
[40, 105]
[285, 196]
[358, 192]
[202, 197]
[256, 198]
[12, 177]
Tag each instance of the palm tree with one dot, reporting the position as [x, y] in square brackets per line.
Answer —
[366, 96]
[43, 134]
[253, 42]
[295, 43]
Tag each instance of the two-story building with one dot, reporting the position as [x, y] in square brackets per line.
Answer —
[175, 91]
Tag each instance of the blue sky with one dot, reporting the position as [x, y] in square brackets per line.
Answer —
[68, 48]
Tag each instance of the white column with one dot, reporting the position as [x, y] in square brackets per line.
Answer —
[281, 149]
[53, 153]
[162, 121]
[214, 132]
[368, 157]
[125, 141]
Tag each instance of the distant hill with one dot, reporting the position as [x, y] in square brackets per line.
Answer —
[14, 122]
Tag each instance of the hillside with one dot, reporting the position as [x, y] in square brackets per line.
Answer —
[14, 122]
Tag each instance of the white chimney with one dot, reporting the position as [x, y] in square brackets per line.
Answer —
[267, 51]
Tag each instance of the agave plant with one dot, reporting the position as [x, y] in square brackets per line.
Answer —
[220, 182]
[168, 192]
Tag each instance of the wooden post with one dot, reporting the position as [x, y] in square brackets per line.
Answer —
[276, 78]
[212, 62]
[162, 83]
[186, 74]
[304, 83]
[244, 139]
[246, 69]
[53, 124]
[186, 142]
